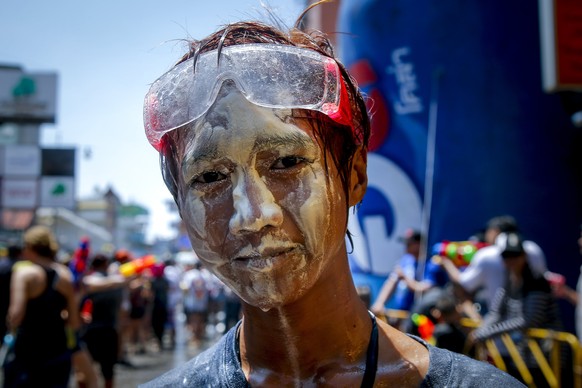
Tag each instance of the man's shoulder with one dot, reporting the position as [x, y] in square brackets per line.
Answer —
[199, 371]
[456, 370]
[211, 368]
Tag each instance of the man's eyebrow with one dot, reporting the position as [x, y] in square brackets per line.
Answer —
[207, 151]
[294, 140]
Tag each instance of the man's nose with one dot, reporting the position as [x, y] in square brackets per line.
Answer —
[254, 204]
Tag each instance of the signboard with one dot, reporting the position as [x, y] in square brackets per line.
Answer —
[27, 97]
[19, 193]
[58, 162]
[8, 133]
[561, 44]
[57, 191]
[20, 160]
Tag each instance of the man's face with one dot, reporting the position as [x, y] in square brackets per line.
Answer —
[413, 247]
[256, 202]
[491, 234]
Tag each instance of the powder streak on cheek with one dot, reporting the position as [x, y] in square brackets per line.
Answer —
[310, 205]
[195, 213]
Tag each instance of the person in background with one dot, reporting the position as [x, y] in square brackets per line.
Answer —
[400, 287]
[173, 274]
[486, 271]
[43, 315]
[264, 170]
[196, 297]
[159, 316]
[104, 293]
[122, 256]
[232, 309]
[524, 301]
[13, 254]
[140, 299]
[448, 333]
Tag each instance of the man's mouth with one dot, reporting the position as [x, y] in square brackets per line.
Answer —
[263, 260]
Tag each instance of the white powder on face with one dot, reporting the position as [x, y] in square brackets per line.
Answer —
[227, 140]
[193, 205]
[254, 204]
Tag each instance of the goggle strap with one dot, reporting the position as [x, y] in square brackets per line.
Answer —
[344, 114]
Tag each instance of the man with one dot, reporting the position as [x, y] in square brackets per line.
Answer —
[486, 270]
[105, 292]
[6, 263]
[42, 315]
[263, 137]
[400, 287]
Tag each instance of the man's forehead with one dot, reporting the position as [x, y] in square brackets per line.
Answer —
[215, 144]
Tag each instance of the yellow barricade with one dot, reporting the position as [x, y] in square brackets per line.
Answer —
[551, 369]
[488, 351]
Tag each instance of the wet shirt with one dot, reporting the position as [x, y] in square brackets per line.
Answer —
[219, 367]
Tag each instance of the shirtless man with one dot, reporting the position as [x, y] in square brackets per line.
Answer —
[263, 145]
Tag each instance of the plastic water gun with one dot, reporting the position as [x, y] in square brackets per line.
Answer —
[87, 310]
[137, 266]
[78, 264]
[425, 327]
[459, 252]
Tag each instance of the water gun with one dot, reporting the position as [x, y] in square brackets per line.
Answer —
[137, 266]
[87, 310]
[78, 264]
[459, 252]
[425, 327]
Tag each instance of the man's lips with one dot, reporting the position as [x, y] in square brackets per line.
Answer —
[265, 254]
[263, 260]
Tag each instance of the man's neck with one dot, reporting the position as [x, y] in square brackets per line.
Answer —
[325, 333]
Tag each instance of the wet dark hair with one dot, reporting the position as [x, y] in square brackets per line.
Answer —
[341, 141]
[504, 224]
[531, 282]
[99, 261]
[14, 252]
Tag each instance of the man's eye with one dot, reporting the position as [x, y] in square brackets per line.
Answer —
[287, 162]
[209, 177]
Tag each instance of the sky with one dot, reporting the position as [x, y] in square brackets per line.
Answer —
[106, 54]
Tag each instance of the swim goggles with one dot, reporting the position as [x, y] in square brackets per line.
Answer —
[268, 75]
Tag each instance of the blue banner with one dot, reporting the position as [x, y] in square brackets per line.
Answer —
[468, 74]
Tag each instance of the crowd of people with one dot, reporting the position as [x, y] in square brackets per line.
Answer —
[503, 288]
[82, 317]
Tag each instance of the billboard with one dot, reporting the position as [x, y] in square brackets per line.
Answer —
[57, 191]
[58, 162]
[19, 193]
[462, 129]
[27, 97]
[20, 160]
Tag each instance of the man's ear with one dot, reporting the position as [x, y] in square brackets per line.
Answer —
[358, 176]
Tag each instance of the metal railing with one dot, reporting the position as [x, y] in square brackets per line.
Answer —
[549, 363]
